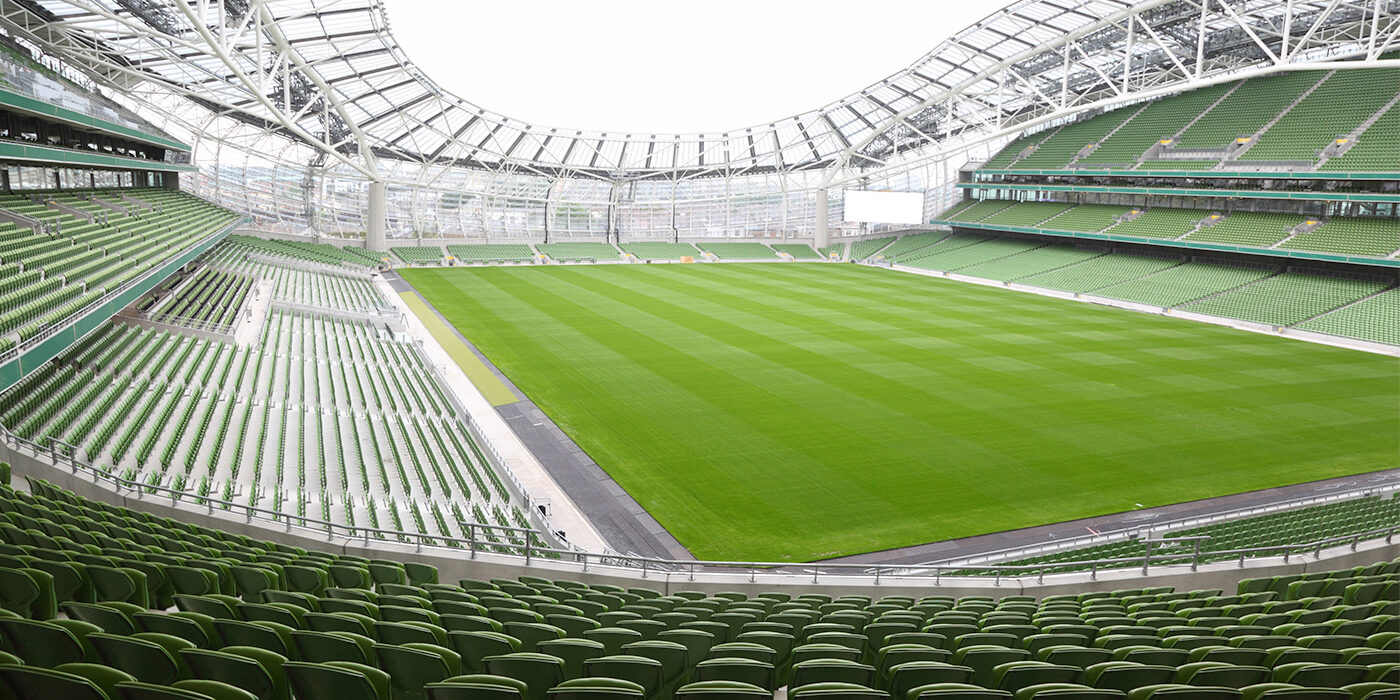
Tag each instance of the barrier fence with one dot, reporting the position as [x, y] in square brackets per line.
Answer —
[479, 540]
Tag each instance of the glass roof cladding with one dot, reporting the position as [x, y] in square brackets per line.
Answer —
[330, 74]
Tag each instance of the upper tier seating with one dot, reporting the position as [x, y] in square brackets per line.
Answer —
[1248, 108]
[1160, 120]
[1057, 151]
[45, 278]
[1335, 109]
[1203, 123]
[1376, 150]
[1009, 153]
[254, 619]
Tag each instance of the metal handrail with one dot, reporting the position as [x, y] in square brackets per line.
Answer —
[474, 543]
[1180, 523]
[193, 324]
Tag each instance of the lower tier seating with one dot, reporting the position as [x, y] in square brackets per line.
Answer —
[1371, 236]
[861, 250]
[326, 415]
[492, 252]
[739, 251]
[579, 252]
[418, 253]
[958, 259]
[1098, 273]
[910, 245]
[1296, 526]
[799, 251]
[1286, 299]
[1371, 319]
[116, 603]
[1184, 283]
[210, 298]
[653, 250]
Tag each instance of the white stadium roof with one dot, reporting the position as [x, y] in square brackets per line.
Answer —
[330, 74]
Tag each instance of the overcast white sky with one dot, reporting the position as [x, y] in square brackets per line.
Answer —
[666, 66]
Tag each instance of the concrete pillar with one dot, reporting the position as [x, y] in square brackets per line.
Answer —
[375, 238]
[822, 237]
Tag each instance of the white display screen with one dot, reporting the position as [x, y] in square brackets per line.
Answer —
[865, 206]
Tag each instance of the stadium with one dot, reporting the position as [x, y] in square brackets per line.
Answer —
[1060, 363]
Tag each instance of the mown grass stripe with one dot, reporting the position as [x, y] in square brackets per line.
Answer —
[796, 412]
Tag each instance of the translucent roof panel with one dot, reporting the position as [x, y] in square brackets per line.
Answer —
[329, 73]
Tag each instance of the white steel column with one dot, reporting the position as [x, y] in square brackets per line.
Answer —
[375, 238]
[822, 237]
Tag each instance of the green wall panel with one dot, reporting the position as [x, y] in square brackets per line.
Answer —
[65, 156]
[1190, 192]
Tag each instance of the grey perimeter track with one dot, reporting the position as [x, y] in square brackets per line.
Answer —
[624, 524]
[629, 529]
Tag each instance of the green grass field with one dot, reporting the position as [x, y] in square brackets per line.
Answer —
[781, 412]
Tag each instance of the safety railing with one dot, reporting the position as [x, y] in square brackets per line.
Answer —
[516, 542]
[190, 323]
[496, 461]
[1147, 529]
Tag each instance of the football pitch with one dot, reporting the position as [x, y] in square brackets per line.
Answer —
[779, 412]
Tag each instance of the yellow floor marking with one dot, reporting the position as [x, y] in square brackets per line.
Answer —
[477, 371]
